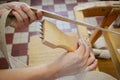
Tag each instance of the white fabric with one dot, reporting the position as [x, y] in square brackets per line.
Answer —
[92, 75]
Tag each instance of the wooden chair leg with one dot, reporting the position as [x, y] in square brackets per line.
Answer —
[107, 21]
[113, 51]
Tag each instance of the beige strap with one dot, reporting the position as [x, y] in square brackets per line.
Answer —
[3, 45]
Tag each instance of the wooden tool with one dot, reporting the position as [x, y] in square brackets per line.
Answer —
[59, 17]
[54, 37]
[11, 20]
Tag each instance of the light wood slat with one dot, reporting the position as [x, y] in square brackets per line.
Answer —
[82, 31]
[82, 35]
[113, 51]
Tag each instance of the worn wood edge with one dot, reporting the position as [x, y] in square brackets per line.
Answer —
[113, 52]
[55, 38]
[97, 8]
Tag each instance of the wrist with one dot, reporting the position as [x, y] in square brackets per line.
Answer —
[53, 71]
[47, 72]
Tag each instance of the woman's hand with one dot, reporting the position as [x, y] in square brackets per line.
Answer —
[74, 62]
[24, 15]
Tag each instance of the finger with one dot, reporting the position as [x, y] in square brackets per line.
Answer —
[92, 66]
[81, 50]
[29, 12]
[23, 15]
[85, 56]
[80, 41]
[91, 59]
[87, 52]
[19, 22]
[39, 14]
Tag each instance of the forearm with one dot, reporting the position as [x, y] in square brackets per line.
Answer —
[34, 73]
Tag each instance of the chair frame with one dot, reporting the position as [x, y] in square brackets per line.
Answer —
[110, 10]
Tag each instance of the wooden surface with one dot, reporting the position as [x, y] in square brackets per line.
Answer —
[98, 8]
[107, 21]
[40, 54]
[116, 38]
[55, 38]
[107, 67]
[93, 9]
[108, 9]
[82, 31]
[113, 51]
[82, 35]
[36, 50]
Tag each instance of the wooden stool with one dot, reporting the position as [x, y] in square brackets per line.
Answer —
[110, 10]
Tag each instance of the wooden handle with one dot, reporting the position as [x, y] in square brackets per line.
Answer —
[11, 19]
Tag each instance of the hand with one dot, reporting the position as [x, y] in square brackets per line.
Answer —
[74, 62]
[24, 15]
